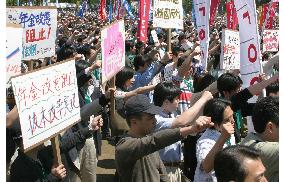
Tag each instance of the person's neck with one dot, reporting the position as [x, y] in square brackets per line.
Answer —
[135, 133]
[166, 111]
[264, 137]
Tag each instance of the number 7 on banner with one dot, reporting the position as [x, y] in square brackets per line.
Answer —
[202, 13]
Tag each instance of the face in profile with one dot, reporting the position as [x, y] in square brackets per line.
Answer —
[147, 123]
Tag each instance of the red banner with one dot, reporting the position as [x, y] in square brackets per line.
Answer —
[103, 9]
[232, 19]
[144, 8]
[269, 23]
[213, 8]
[263, 15]
[269, 19]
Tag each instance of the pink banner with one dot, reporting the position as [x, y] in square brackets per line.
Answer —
[144, 8]
[113, 50]
[213, 8]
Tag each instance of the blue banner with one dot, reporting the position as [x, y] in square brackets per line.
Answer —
[82, 9]
[128, 9]
[193, 16]
[110, 11]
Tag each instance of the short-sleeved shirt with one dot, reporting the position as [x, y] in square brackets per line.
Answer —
[171, 153]
[203, 146]
[269, 155]
[170, 71]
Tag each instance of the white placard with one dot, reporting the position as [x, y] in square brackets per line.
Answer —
[47, 102]
[39, 29]
[230, 52]
[202, 14]
[13, 51]
[168, 14]
[270, 41]
[250, 67]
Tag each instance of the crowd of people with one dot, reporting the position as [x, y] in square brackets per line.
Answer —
[175, 119]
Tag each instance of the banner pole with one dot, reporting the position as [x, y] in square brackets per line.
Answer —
[169, 48]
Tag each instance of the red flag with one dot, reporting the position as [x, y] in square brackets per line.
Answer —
[103, 9]
[269, 22]
[213, 8]
[144, 8]
[263, 15]
[232, 19]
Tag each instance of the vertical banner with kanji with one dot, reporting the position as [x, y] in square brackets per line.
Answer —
[13, 51]
[168, 14]
[113, 50]
[213, 9]
[250, 66]
[269, 17]
[144, 8]
[232, 19]
[230, 50]
[103, 9]
[202, 13]
[39, 29]
[47, 102]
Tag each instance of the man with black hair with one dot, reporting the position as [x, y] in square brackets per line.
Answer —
[166, 95]
[146, 69]
[272, 89]
[139, 46]
[129, 53]
[265, 118]
[239, 164]
[229, 86]
[136, 153]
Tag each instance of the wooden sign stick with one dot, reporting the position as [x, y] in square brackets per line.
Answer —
[112, 99]
[169, 48]
[31, 65]
[56, 150]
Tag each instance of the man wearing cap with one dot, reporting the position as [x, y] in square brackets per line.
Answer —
[136, 155]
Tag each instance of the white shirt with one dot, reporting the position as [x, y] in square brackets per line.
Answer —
[203, 146]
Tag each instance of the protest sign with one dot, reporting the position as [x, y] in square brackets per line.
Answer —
[202, 12]
[270, 41]
[39, 29]
[47, 102]
[113, 49]
[230, 52]
[168, 14]
[250, 66]
[13, 51]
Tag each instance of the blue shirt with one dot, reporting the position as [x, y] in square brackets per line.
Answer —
[143, 79]
[171, 153]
